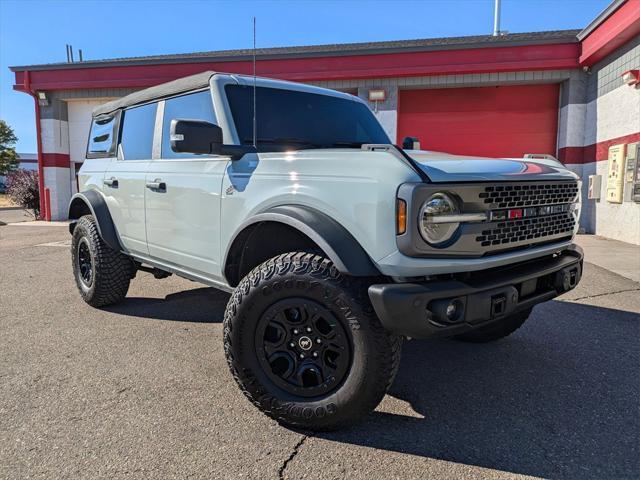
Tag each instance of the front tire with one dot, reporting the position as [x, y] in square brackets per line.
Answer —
[304, 344]
[102, 274]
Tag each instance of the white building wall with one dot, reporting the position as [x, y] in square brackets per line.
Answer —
[56, 179]
[612, 111]
[79, 112]
[389, 121]
[620, 221]
[54, 134]
[614, 114]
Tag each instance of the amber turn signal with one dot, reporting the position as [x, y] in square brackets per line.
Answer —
[401, 216]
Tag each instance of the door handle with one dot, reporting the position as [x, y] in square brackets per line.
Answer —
[111, 182]
[157, 184]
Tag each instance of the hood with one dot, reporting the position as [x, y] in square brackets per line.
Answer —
[444, 167]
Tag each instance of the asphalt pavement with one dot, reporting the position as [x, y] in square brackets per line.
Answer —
[142, 390]
[14, 215]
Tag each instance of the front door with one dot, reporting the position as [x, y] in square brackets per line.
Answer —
[183, 196]
[124, 180]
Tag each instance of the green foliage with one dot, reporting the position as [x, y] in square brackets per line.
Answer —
[22, 189]
[8, 156]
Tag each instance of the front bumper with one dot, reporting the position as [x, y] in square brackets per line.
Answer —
[419, 310]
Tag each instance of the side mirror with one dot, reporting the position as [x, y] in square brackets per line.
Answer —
[411, 143]
[195, 136]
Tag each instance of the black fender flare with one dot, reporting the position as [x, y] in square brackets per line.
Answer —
[336, 241]
[97, 205]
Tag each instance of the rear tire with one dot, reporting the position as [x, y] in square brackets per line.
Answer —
[304, 344]
[495, 331]
[102, 274]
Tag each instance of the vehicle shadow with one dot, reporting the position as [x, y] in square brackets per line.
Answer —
[558, 399]
[200, 305]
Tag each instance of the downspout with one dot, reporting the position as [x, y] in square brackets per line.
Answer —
[27, 87]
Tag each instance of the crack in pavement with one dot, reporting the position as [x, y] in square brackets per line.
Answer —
[295, 451]
[603, 294]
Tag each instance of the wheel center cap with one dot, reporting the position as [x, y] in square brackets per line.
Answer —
[305, 343]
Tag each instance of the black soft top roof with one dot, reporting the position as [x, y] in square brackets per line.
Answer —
[181, 85]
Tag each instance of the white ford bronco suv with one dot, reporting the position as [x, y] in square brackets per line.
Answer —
[335, 243]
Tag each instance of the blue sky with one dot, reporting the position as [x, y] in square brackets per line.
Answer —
[33, 32]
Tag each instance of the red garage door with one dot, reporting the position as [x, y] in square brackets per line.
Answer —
[488, 121]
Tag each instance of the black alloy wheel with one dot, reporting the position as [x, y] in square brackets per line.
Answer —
[302, 347]
[85, 263]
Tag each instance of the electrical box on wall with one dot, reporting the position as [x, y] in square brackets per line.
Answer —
[595, 186]
[615, 177]
[630, 171]
[635, 185]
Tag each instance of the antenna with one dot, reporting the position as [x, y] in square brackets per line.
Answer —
[255, 122]
[496, 19]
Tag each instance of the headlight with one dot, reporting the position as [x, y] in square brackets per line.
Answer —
[437, 219]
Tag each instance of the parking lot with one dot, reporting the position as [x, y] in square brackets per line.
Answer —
[142, 390]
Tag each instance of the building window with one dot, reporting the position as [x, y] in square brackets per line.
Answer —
[136, 141]
[195, 106]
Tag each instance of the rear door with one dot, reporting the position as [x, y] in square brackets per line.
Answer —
[124, 180]
[183, 195]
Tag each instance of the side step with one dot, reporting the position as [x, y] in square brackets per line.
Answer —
[157, 273]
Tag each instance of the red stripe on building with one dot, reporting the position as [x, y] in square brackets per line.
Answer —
[56, 160]
[595, 152]
[442, 62]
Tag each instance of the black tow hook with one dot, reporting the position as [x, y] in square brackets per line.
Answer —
[567, 278]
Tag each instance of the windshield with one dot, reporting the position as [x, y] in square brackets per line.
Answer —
[292, 119]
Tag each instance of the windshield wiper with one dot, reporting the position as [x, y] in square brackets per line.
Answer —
[348, 144]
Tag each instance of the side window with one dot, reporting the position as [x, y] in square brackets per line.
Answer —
[102, 136]
[194, 106]
[136, 139]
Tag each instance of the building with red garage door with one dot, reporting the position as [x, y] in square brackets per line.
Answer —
[572, 94]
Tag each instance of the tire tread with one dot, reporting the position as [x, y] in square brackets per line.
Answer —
[113, 269]
[387, 347]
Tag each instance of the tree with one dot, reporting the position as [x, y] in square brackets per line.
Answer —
[22, 189]
[8, 156]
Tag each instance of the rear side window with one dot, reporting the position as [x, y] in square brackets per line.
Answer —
[195, 106]
[102, 136]
[136, 139]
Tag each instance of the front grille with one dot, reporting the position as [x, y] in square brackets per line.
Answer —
[527, 195]
[527, 229]
[519, 215]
